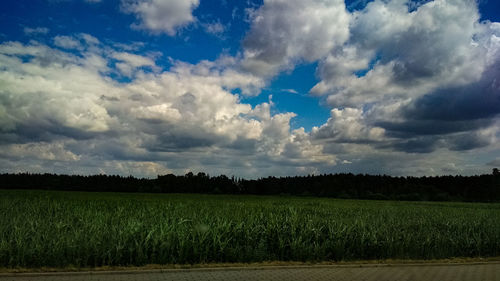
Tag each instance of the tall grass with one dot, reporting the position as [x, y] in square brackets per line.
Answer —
[41, 228]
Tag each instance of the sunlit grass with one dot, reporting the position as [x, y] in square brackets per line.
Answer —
[43, 228]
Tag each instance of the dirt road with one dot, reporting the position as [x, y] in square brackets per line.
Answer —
[425, 272]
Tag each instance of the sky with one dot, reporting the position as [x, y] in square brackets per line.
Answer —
[250, 88]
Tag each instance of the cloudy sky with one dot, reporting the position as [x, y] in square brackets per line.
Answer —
[250, 88]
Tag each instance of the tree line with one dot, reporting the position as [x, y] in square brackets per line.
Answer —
[479, 188]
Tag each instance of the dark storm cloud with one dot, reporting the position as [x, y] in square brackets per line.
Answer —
[449, 117]
[480, 100]
[246, 146]
[495, 162]
[467, 141]
[411, 127]
[426, 136]
[44, 131]
[424, 144]
[179, 142]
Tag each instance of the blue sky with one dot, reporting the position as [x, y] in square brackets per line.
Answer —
[250, 88]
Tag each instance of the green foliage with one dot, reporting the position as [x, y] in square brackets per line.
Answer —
[49, 228]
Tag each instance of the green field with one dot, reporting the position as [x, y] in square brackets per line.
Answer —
[58, 229]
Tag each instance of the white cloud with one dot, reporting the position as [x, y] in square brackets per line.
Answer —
[215, 28]
[133, 59]
[414, 53]
[291, 91]
[63, 95]
[35, 31]
[67, 42]
[78, 41]
[133, 46]
[43, 151]
[348, 125]
[89, 39]
[285, 32]
[184, 118]
[161, 16]
[160, 112]
[225, 72]
[412, 92]
[129, 63]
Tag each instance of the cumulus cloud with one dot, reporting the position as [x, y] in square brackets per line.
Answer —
[225, 71]
[40, 150]
[385, 53]
[425, 74]
[412, 53]
[62, 103]
[163, 121]
[161, 16]
[414, 77]
[128, 63]
[67, 42]
[348, 125]
[79, 41]
[413, 88]
[284, 33]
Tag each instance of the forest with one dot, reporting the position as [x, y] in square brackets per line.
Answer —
[478, 188]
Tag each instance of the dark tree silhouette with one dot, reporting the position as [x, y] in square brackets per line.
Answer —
[484, 188]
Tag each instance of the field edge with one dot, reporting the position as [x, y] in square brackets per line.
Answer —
[228, 266]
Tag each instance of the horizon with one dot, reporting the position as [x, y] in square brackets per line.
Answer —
[250, 89]
[229, 176]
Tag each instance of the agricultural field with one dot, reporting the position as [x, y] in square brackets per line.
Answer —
[58, 229]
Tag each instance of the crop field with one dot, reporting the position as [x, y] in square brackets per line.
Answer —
[58, 229]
